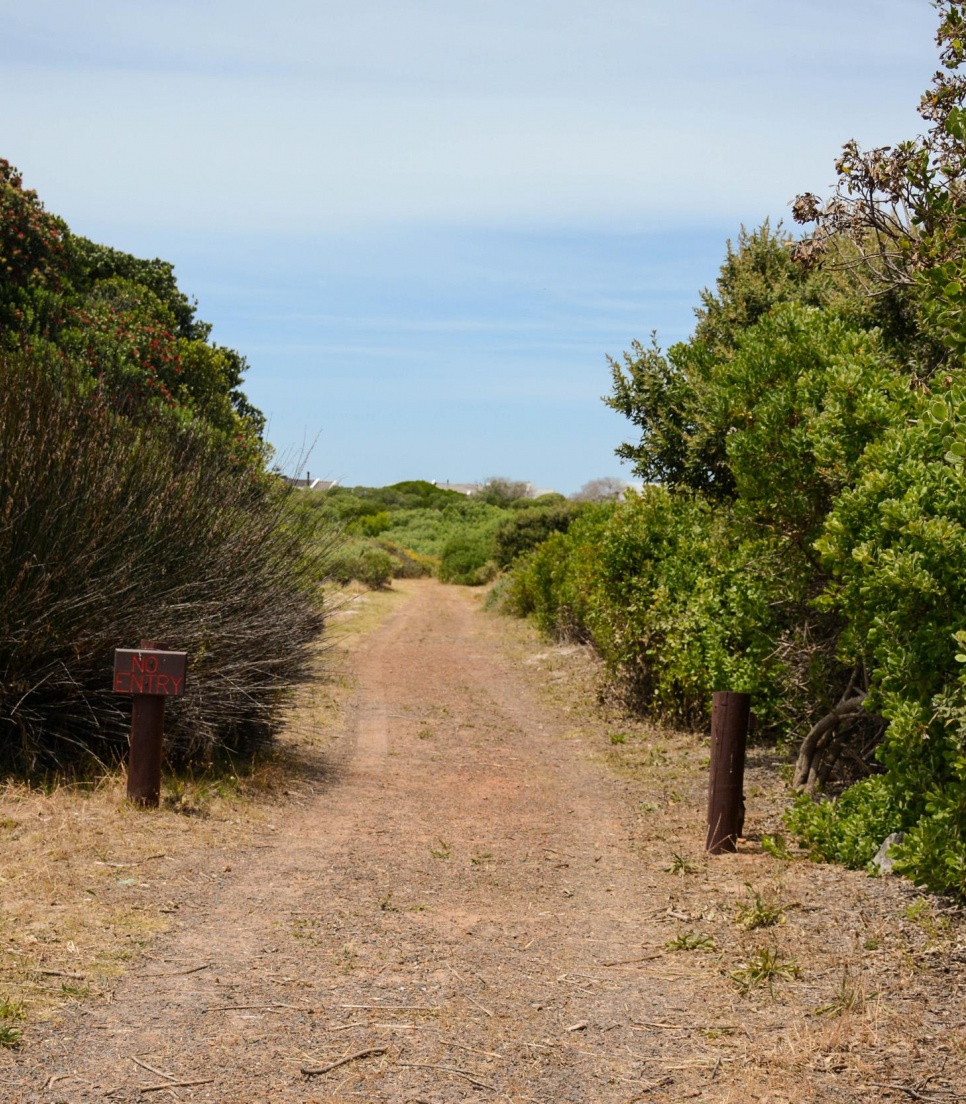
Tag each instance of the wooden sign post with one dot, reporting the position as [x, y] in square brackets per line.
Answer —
[151, 675]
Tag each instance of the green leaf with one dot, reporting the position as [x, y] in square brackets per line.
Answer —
[956, 124]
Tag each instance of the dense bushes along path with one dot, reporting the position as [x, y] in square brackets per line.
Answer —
[476, 905]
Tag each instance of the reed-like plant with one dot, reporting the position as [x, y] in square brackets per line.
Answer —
[112, 532]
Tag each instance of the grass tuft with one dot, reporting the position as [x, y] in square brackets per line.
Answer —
[11, 1034]
[847, 998]
[680, 864]
[758, 911]
[765, 967]
[691, 941]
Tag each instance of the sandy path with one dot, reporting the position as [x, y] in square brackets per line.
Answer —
[463, 908]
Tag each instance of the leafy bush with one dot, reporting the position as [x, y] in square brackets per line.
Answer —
[555, 583]
[122, 322]
[895, 545]
[848, 830]
[675, 603]
[529, 527]
[110, 533]
[362, 562]
[466, 560]
[498, 490]
[408, 564]
[371, 525]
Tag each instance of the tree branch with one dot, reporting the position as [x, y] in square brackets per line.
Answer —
[848, 708]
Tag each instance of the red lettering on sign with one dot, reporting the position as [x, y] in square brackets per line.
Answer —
[143, 671]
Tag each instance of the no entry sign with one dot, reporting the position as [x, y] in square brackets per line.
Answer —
[150, 675]
[144, 671]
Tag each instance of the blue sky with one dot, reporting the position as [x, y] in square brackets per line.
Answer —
[427, 224]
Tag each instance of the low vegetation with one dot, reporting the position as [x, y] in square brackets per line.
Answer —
[412, 529]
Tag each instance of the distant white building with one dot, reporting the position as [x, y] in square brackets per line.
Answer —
[468, 489]
[309, 484]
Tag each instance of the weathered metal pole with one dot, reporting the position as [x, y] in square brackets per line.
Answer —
[730, 715]
[147, 742]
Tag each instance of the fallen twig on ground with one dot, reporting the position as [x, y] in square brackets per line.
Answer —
[180, 973]
[152, 1069]
[175, 1085]
[633, 961]
[369, 1052]
[472, 1000]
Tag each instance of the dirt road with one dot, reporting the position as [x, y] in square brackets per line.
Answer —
[469, 908]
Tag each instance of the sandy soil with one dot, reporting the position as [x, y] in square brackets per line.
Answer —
[492, 890]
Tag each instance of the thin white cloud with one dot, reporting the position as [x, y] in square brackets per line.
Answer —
[196, 152]
[314, 116]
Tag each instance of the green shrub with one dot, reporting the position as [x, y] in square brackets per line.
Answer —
[527, 528]
[498, 597]
[372, 525]
[895, 545]
[676, 601]
[362, 562]
[503, 492]
[850, 829]
[550, 586]
[408, 564]
[466, 560]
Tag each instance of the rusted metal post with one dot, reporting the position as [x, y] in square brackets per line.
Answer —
[730, 715]
[147, 742]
